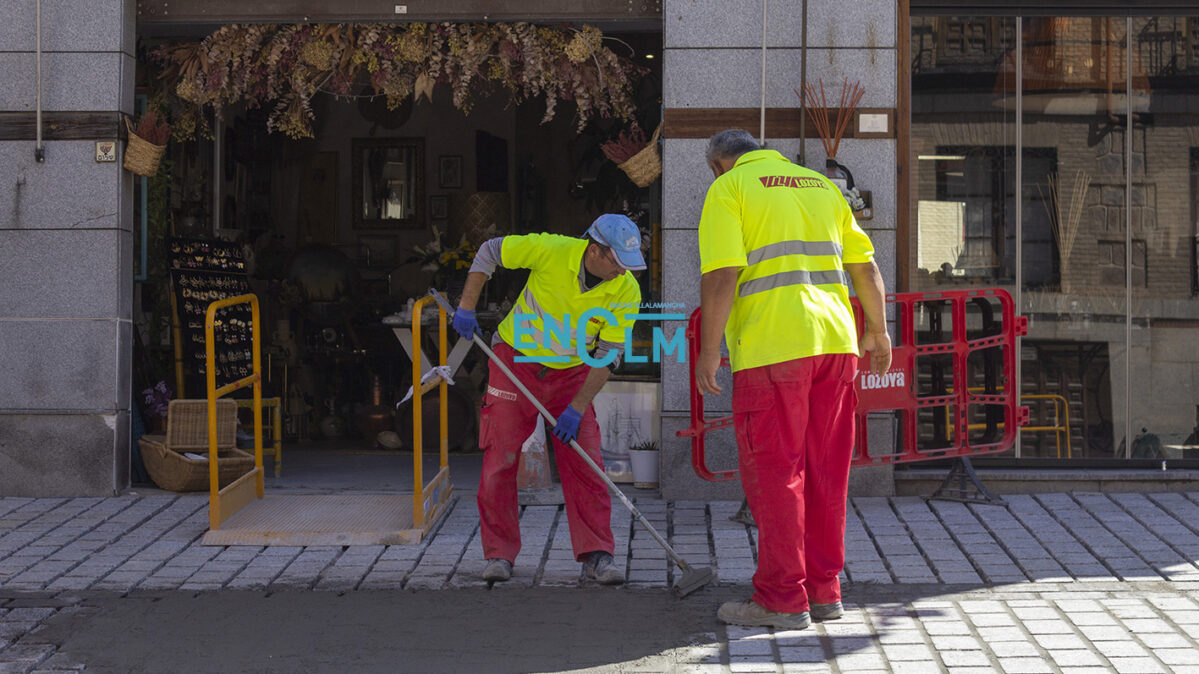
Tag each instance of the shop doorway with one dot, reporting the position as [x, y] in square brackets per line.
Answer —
[340, 230]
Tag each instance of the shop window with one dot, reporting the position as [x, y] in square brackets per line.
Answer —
[1067, 387]
[1165, 44]
[1192, 38]
[1111, 261]
[944, 42]
[975, 239]
[1195, 220]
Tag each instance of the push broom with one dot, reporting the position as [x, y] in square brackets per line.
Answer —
[693, 578]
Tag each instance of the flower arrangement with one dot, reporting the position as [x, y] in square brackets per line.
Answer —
[284, 66]
[635, 155]
[627, 143]
[158, 399]
[817, 106]
[438, 255]
[153, 128]
[854, 198]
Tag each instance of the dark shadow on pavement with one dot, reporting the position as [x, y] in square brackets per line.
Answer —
[510, 630]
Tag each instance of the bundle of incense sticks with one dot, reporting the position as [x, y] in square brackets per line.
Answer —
[818, 110]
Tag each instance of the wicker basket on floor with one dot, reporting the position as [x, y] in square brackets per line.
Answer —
[187, 431]
[644, 167]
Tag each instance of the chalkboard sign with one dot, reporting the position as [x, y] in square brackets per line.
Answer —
[203, 271]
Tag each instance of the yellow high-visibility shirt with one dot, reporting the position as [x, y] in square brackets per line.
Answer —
[552, 292]
[789, 231]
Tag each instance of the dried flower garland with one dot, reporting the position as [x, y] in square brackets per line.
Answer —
[284, 66]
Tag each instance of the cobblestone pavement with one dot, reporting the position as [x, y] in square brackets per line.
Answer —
[1055, 583]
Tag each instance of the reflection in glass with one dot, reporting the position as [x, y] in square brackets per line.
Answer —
[386, 184]
[1163, 385]
[1075, 100]
[388, 181]
[1100, 236]
[964, 150]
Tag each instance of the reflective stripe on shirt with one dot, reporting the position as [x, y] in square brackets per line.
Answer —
[791, 278]
[539, 337]
[793, 247]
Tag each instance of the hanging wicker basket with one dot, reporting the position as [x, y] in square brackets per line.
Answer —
[644, 167]
[141, 156]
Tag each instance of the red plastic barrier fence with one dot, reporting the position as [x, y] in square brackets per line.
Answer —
[951, 390]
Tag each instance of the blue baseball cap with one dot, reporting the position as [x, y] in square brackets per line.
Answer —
[620, 234]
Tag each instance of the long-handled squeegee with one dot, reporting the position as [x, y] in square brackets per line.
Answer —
[693, 578]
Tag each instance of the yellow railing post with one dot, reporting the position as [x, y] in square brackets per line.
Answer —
[277, 436]
[445, 393]
[1061, 421]
[419, 516]
[418, 500]
[214, 480]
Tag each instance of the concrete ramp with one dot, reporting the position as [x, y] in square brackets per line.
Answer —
[325, 519]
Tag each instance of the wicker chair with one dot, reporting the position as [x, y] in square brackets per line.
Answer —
[187, 432]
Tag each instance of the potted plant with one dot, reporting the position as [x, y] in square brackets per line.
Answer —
[158, 400]
[644, 457]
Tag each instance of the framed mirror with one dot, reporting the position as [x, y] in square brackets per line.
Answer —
[389, 183]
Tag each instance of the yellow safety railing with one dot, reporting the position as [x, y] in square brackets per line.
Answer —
[424, 508]
[222, 503]
[1061, 420]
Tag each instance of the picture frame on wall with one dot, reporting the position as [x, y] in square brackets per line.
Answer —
[439, 207]
[449, 171]
[380, 250]
[388, 183]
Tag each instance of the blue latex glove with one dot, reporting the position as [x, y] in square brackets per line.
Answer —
[567, 428]
[465, 323]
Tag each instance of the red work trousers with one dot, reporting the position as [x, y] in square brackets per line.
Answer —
[795, 435]
[508, 418]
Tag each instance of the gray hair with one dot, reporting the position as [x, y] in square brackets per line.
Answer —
[730, 144]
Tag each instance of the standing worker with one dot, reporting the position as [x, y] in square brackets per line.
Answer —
[776, 242]
[569, 277]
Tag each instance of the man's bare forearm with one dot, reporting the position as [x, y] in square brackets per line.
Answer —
[470, 293]
[716, 294]
[596, 378]
[868, 285]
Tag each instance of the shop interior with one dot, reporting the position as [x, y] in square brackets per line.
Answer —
[337, 233]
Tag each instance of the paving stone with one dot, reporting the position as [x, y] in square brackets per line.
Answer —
[1024, 666]
[897, 652]
[964, 659]
[1135, 665]
[1075, 658]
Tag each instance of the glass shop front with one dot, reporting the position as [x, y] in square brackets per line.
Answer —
[1057, 156]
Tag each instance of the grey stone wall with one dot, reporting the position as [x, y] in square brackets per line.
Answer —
[713, 60]
[66, 248]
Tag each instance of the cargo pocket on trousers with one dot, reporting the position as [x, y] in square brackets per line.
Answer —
[486, 425]
[749, 404]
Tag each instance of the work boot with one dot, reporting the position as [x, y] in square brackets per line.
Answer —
[749, 614]
[822, 612]
[497, 570]
[601, 567]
